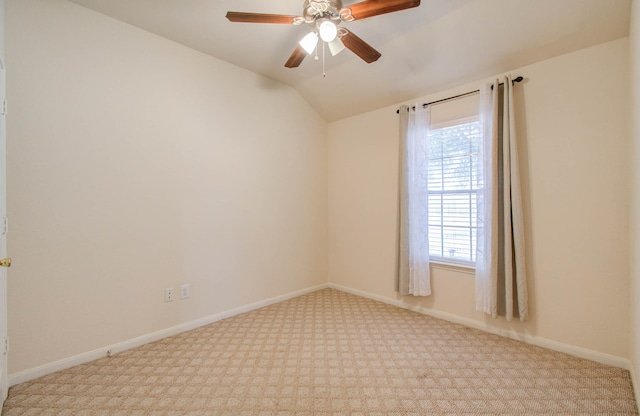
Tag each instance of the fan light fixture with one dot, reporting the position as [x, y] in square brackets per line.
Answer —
[328, 30]
[324, 17]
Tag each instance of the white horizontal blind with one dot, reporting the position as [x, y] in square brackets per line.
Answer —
[453, 185]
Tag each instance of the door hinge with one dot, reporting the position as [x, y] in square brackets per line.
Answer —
[6, 345]
[4, 226]
[3, 107]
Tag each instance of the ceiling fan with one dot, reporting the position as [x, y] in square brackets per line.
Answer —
[324, 17]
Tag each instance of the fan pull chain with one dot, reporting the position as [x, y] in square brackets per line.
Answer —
[324, 75]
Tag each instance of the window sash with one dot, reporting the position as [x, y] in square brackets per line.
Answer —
[453, 186]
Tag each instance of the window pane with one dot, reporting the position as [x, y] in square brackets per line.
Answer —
[435, 209]
[453, 178]
[454, 142]
[474, 235]
[456, 210]
[435, 241]
[435, 145]
[457, 243]
[435, 174]
[456, 173]
[474, 210]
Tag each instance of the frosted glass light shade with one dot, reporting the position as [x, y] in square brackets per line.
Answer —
[328, 31]
[335, 46]
[309, 42]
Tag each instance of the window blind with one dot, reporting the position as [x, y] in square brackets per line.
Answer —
[453, 184]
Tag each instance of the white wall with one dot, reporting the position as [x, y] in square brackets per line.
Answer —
[635, 194]
[573, 127]
[136, 164]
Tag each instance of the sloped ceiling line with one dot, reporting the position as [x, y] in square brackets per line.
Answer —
[425, 49]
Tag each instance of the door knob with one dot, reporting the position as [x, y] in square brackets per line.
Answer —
[5, 262]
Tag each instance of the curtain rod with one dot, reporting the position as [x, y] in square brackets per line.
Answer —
[518, 79]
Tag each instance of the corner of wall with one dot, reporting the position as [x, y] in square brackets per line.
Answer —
[634, 321]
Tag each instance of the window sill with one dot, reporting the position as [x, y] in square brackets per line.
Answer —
[461, 268]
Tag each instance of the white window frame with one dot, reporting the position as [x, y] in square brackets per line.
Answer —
[446, 261]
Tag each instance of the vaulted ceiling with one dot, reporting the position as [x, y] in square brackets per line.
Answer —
[438, 45]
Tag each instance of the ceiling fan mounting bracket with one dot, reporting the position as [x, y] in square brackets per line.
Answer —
[314, 10]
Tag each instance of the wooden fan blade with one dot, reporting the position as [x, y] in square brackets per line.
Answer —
[296, 58]
[260, 18]
[369, 8]
[360, 47]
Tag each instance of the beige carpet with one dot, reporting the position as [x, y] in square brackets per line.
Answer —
[330, 353]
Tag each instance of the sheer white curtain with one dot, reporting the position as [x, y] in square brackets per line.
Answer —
[501, 284]
[413, 215]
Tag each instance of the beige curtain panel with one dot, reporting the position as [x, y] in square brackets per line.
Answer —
[501, 281]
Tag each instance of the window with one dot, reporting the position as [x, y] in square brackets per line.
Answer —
[453, 187]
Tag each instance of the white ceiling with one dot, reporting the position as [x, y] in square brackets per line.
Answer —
[438, 45]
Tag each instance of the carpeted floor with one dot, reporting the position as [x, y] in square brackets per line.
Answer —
[330, 353]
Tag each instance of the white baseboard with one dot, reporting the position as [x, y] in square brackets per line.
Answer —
[63, 364]
[86, 357]
[538, 341]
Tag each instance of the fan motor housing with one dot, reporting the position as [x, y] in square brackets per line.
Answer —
[314, 9]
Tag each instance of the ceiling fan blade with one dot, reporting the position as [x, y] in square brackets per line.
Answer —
[360, 47]
[260, 18]
[369, 8]
[296, 58]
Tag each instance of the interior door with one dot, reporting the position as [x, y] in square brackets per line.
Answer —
[5, 262]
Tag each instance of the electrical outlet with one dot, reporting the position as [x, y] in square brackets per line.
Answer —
[185, 291]
[168, 294]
